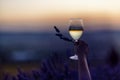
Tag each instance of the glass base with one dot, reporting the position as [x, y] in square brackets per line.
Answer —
[75, 57]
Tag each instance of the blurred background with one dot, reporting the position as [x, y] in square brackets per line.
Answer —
[27, 33]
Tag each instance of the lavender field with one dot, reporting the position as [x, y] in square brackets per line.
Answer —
[18, 49]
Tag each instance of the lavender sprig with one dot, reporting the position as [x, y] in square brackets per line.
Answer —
[61, 36]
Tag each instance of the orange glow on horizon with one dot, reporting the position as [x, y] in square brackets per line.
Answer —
[50, 12]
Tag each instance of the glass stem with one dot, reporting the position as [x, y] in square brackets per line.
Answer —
[75, 48]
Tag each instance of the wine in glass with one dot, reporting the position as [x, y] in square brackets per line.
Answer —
[75, 31]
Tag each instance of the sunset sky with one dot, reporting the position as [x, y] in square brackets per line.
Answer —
[41, 15]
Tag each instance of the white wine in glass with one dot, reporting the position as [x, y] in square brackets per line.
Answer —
[75, 31]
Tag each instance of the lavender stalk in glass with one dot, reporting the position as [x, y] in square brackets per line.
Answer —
[76, 31]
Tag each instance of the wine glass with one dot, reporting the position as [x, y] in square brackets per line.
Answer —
[75, 31]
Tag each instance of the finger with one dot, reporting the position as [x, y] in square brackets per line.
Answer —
[82, 47]
[82, 43]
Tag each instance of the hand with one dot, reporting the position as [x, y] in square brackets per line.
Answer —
[81, 48]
